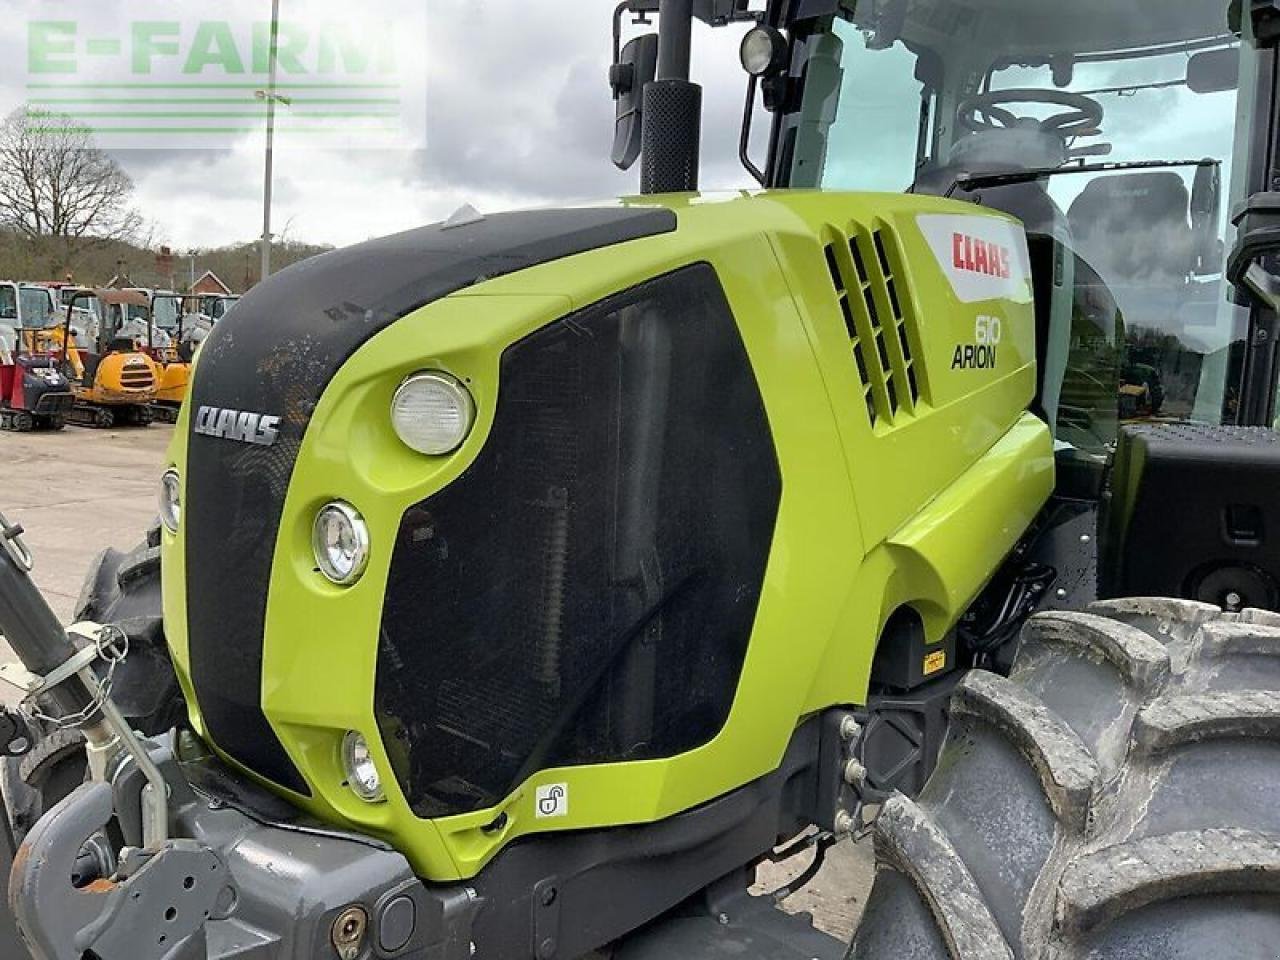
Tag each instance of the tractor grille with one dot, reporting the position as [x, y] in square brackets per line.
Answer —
[880, 317]
[585, 592]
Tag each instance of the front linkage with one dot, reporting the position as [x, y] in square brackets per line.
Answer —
[155, 853]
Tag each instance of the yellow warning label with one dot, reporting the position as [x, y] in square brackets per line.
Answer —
[935, 662]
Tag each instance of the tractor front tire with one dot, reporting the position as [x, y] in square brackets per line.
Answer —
[123, 589]
[1115, 799]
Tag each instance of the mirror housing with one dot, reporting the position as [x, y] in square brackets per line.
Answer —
[637, 67]
[1206, 214]
[1214, 71]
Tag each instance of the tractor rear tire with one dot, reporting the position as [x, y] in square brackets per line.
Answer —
[1115, 799]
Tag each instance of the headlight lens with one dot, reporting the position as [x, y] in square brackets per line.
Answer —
[432, 413]
[340, 539]
[362, 772]
[170, 500]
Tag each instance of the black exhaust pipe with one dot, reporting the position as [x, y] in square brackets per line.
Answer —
[672, 131]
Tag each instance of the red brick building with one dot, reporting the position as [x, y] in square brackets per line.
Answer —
[211, 285]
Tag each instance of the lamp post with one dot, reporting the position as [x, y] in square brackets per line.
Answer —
[272, 98]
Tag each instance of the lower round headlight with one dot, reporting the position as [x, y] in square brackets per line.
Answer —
[170, 500]
[432, 413]
[361, 772]
[340, 540]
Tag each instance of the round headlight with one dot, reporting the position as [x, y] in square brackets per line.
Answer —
[340, 540]
[362, 772]
[170, 500]
[763, 51]
[432, 413]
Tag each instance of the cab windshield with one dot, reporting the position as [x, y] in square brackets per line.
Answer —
[37, 308]
[165, 309]
[1107, 126]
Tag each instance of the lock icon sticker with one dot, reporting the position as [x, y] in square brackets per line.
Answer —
[551, 800]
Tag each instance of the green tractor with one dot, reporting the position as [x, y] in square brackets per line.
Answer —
[526, 581]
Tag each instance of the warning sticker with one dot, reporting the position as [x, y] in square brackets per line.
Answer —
[984, 258]
[935, 663]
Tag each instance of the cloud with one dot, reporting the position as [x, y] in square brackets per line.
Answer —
[517, 108]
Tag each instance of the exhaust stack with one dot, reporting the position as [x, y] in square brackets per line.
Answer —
[672, 124]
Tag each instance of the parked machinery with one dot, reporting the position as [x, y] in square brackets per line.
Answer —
[113, 375]
[178, 328]
[34, 393]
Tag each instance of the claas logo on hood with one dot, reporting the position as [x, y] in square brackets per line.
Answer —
[240, 425]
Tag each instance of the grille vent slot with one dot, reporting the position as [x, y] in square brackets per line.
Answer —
[880, 318]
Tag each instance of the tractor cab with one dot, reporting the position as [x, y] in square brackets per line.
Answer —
[1106, 128]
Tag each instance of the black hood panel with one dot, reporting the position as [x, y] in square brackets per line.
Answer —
[274, 354]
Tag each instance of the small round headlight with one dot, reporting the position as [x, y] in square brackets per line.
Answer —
[432, 413]
[362, 773]
[170, 500]
[340, 540]
[763, 51]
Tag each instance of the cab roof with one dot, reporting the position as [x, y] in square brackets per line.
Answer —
[1046, 27]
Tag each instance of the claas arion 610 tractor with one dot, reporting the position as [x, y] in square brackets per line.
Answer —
[524, 581]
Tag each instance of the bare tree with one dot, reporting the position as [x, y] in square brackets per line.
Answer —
[57, 185]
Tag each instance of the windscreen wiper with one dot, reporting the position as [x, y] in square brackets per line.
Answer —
[1007, 177]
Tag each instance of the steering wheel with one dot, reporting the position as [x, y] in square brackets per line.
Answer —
[985, 111]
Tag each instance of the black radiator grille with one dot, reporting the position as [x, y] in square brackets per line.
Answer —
[585, 592]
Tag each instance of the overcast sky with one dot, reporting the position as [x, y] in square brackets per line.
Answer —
[517, 110]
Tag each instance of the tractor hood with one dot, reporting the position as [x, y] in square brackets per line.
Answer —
[262, 372]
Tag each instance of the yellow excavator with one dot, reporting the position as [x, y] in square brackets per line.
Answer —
[111, 369]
